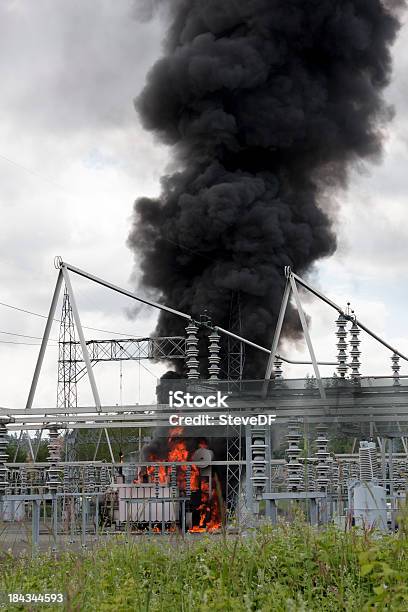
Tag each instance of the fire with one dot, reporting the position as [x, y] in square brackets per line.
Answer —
[209, 510]
[209, 506]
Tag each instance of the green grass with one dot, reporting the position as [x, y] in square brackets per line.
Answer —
[284, 568]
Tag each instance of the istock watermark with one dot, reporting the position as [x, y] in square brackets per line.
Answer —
[204, 420]
[178, 399]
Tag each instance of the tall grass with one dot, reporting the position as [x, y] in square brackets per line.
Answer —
[283, 568]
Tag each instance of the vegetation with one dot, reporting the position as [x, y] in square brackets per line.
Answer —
[82, 447]
[283, 568]
[22, 452]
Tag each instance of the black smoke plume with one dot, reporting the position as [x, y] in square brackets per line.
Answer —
[267, 105]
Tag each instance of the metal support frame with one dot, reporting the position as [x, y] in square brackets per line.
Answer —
[235, 370]
[85, 353]
[278, 331]
[291, 287]
[276, 337]
[35, 522]
[67, 395]
[40, 359]
[44, 341]
[318, 411]
[307, 336]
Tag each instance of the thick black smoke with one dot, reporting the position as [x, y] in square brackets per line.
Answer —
[267, 104]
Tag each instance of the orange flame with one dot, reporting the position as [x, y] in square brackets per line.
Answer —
[209, 507]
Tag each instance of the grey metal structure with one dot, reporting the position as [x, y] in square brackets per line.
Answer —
[68, 363]
[311, 409]
[235, 374]
[131, 349]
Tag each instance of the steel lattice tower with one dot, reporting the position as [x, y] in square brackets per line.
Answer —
[68, 368]
[235, 368]
[67, 362]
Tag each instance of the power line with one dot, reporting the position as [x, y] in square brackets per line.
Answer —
[23, 343]
[36, 314]
[24, 336]
[32, 172]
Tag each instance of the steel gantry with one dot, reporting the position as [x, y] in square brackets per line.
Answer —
[378, 403]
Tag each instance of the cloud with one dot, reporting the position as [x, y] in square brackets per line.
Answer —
[69, 72]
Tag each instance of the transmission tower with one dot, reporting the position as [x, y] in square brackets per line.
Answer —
[67, 362]
[235, 368]
[68, 368]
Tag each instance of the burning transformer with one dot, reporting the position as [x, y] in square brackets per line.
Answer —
[176, 488]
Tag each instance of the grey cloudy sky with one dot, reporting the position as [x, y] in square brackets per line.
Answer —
[69, 72]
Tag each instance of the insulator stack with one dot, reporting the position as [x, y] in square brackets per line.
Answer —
[368, 461]
[355, 353]
[258, 460]
[90, 478]
[341, 346]
[54, 457]
[350, 471]
[323, 456]
[214, 355]
[310, 477]
[335, 478]
[4, 472]
[277, 369]
[188, 481]
[173, 481]
[192, 351]
[346, 476]
[400, 475]
[294, 467]
[104, 477]
[395, 369]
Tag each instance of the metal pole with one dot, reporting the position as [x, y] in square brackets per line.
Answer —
[84, 348]
[97, 445]
[268, 457]
[38, 444]
[265, 350]
[40, 358]
[183, 516]
[55, 520]
[307, 336]
[96, 516]
[109, 445]
[30, 446]
[383, 461]
[278, 330]
[347, 316]
[248, 471]
[391, 476]
[44, 340]
[35, 525]
[72, 520]
[244, 340]
[82, 341]
[84, 517]
[108, 285]
[18, 446]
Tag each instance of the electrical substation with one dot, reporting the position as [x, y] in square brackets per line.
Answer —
[229, 476]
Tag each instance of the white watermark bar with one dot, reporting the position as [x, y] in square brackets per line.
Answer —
[179, 399]
[209, 420]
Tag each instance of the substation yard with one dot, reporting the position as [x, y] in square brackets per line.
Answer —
[251, 515]
[294, 567]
